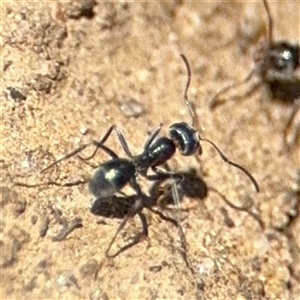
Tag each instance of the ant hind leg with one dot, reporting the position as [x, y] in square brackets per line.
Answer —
[135, 209]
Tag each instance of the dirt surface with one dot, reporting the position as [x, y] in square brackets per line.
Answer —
[69, 72]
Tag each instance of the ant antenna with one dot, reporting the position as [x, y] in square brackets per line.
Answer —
[270, 22]
[225, 159]
[186, 99]
[193, 116]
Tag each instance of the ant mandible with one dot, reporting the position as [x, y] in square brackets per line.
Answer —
[275, 64]
[112, 176]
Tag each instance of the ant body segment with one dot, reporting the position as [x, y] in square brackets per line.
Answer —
[276, 63]
[113, 175]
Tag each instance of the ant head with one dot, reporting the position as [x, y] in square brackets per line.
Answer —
[186, 138]
[283, 57]
[279, 57]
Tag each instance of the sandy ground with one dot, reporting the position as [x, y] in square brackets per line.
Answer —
[69, 72]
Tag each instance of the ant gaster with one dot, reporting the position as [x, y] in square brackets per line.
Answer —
[112, 176]
[275, 64]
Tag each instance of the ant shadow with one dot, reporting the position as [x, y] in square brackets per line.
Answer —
[194, 187]
[160, 194]
[161, 200]
[284, 91]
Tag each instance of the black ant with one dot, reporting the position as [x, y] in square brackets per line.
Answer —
[276, 63]
[112, 176]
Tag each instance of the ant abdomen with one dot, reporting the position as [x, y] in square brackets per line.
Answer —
[111, 177]
[186, 138]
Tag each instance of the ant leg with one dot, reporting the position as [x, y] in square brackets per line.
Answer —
[66, 156]
[123, 142]
[152, 136]
[216, 101]
[176, 179]
[98, 145]
[288, 125]
[106, 149]
[67, 184]
[110, 152]
[137, 239]
[136, 208]
[163, 175]
[102, 147]
[183, 242]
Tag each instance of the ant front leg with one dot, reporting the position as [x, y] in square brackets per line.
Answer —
[176, 178]
[136, 240]
[152, 136]
[161, 175]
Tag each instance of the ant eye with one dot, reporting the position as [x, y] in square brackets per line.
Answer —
[185, 138]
